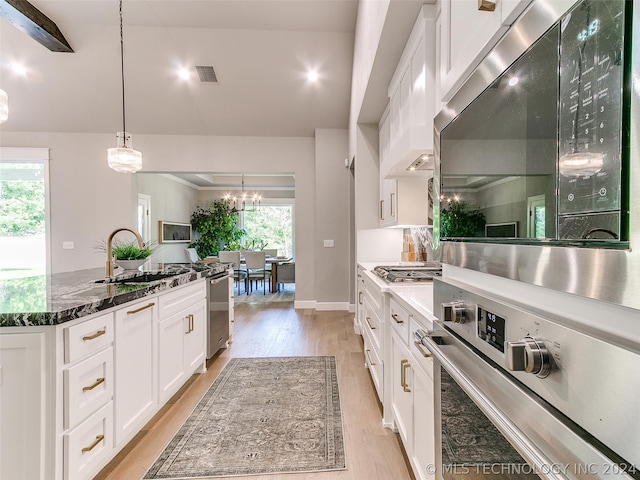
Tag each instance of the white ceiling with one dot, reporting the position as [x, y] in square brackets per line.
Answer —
[260, 50]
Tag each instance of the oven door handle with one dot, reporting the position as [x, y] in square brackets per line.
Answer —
[530, 451]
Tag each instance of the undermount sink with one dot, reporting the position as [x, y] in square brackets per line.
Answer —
[140, 278]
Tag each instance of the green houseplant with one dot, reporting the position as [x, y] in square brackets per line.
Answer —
[128, 254]
[458, 221]
[216, 228]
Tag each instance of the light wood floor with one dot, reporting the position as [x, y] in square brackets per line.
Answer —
[271, 330]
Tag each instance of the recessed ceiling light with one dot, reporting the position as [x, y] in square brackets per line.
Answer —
[184, 74]
[18, 68]
[513, 81]
[312, 76]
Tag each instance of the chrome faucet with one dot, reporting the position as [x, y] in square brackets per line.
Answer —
[109, 270]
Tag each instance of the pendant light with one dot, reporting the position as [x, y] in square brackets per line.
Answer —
[123, 158]
[4, 106]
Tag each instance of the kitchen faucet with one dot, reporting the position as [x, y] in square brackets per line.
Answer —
[109, 269]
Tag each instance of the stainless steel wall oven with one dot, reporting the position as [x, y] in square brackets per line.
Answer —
[525, 393]
[545, 155]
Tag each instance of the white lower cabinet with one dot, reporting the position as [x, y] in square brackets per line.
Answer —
[135, 367]
[412, 392]
[180, 348]
[22, 405]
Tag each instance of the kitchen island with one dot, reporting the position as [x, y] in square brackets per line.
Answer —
[86, 362]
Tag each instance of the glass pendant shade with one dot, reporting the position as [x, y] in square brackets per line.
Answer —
[124, 158]
[4, 106]
[581, 164]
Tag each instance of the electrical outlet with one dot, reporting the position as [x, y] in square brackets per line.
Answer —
[68, 245]
[328, 243]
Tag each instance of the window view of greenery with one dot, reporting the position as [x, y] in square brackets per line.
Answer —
[270, 226]
[22, 220]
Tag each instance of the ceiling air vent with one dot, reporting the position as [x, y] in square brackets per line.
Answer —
[207, 74]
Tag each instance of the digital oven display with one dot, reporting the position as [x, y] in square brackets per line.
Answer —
[491, 328]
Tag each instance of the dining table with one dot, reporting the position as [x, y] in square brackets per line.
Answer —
[273, 261]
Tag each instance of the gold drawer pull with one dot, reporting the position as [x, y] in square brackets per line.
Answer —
[131, 312]
[99, 438]
[360, 298]
[421, 348]
[369, 323]
[189, 319]
[371, 363]
[404, 364]
[395, 317]
[99, 333]
[91, 387]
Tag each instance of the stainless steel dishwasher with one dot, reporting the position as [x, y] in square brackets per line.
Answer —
[220, 300]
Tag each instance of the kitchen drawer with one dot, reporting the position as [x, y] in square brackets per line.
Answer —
[87, 445]
[400, 320]
[373, 325]
[87, 337]
[374, 363]
[174, 301]
[88, 386]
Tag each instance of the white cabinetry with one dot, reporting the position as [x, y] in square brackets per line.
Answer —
[465, 36]
[181, 337]
[412, 391]
[412, 105]
[135, 367]
[373, 335]
[22, 405]
[404, 202]
[88, 386]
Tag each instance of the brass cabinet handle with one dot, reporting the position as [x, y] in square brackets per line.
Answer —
[421, 348]
[91, 387]
[360, 298]
[99, 333]
[99, 438]
[393, 214]
[131, 312]
[395, 317]
[404, 364]
[381, 215]
[190, 324]
[486, 6]
[369, 323]
[371, 363]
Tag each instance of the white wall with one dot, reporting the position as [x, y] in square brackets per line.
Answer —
[171, 201]
[88, 200]
[332, 215]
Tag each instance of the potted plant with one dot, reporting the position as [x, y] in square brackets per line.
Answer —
[216, 228]
[459, 221]
[128, 254]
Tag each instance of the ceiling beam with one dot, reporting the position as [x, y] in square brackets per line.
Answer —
[34, 23]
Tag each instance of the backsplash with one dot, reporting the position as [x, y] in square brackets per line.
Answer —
[423, 241]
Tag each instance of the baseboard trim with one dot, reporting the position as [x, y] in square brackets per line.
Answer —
[304, 304]
[332, 306]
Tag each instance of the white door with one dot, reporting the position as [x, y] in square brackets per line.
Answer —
[536, 217]
[144, 216]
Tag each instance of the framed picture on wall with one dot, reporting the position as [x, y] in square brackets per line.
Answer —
[173, 232]
[501, 230]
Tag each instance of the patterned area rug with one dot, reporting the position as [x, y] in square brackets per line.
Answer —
[468, 437]
[261, 416]
[287, 293]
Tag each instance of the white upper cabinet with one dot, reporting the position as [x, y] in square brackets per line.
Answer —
[411, 99]
[465, 34]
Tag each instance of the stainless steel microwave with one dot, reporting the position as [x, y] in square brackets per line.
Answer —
[537, 164]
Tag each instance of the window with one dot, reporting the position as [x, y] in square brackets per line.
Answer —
[23, 212]
[270, 226]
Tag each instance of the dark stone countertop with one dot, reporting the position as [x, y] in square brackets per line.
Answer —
[60, 297]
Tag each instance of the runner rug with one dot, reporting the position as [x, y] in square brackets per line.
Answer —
[261, 416]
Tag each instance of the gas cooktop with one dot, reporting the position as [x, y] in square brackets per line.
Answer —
[422, 272]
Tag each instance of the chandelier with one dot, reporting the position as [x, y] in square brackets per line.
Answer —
[240, 203]
[123, 158]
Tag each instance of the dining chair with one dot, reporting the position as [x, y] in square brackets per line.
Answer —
[233, 257]
[192, 255]
[255, 263]
[270, 252]
[286, 273]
